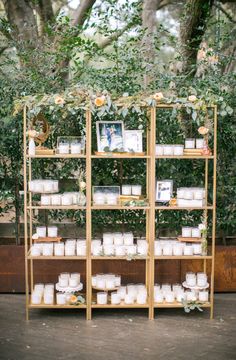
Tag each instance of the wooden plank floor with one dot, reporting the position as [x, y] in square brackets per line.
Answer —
[117, 334]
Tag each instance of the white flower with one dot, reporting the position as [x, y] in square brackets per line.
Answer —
[82, 185]
[140, 127]
[192, 98]
[158, 96]
[35, 236]
[202, 227]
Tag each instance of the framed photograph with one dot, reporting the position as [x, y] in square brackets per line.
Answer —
[133, 141]
[164, 190]
[110, 135]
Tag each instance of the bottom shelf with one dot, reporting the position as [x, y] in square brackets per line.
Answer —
[177, 305]
[122, 305]
[55, 306]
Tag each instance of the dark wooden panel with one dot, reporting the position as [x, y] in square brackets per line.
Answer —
[12, 269]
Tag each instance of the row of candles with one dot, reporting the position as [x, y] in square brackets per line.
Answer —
[43, 231]
[43, 186]
[191, 197]
[178, 149]
[176, 248]
[71, 247]
[65, 199]
[69, 147]
[176, 292]
[130, 294]
[69, 280]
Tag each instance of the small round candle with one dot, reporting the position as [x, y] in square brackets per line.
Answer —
[115, 298]
[52, 231]
[59, 249]
[102, 298]
[136, 190]
[61, 299]
[126, 190]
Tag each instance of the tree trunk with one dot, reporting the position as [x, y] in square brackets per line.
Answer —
[149, 26]
[21, 17]
[192, 29]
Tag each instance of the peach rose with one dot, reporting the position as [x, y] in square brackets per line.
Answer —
[99, 101]
[59, 100]
[73, 299]
[158, 96]
[192, 98]
[203, 130]
[82, 185]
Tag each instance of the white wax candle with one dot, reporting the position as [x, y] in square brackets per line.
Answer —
[64, 275]
[191, 279]
[197, 249]
[126, 190]
[167, 249]
[102, 298]
[35, 251]
[36, 298]
[61, 298]
[69, 250]
[52, 231]
[96, 250]
[81, 250]
[158, 248]
[178, 150]
[101, 282]
[55, 185]
[38, 186]
[66, 199]
[122, 292]
[180, 193]
[136, 190]
[188, 250]
[176, 288]
[196, 232]
[110, 283]
[75, 148]
[159, 149]
[188, 194]
[189, 143]
[142, 298]
[129, 299]
[45, 200]
[117, 280]
[200, 143]
[111, 199]
[180, 296]
[168, 150]
[59, 249]
[63, 282]
[48, 186]
[120, 250]
[115, 298]
[177, 249]
[75, 276]
[55, 199]
[73, 281]
[128, 238]
[190, 296]
[107, 239]
[131, 250]
[63, 148]
[143, 249]
[158, 297]
[201, 279]
[48, 298]
[165, 287]
[118, 238]
[198, 194]
[47, 250]
[169, 297]
[99, 199]
[41, 231]
[31, 185]
[186, 231]
[39, 287]
[49, 287]
[203, 295]
[94, 281]
[108, 250]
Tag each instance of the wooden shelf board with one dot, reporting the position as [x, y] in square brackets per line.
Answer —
[183, 208]
[58, 156]
[177, 305]
[184, 157]
[56, 257]
[55, 306]
[120, 306]
[182, 257]
[126, 156]
[118, 258]
[59, 207]
[119, 207]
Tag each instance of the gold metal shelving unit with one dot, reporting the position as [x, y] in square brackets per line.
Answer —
[150, 211]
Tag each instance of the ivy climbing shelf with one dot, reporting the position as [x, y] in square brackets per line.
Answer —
[151, 261]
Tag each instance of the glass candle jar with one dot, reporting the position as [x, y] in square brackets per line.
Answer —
[41, 231]
[59, 249]
[66, 199]
[48, 186]
[201, 279]
[129, 299]
[131, 250]
[63, 282]
[117, 280]
[198, 194]
[39, 288]
[190, 295]
[110, 283]
[168, 150]
[142, 249]
[188, 194]
[191, 279]
[81, 249]
[64, 148]
[36, 298]
[167, 249]
[47, 249]
[55, 199]
[38, 186]
[196, 232]
[52, 231]
[102, 298]
[108, 250]
[48, 298]
[61, 298]
[75, 147]
[159, 150]
[115, 298]
[120, 250]
[177, 249]
[73, 282]
[101, 282]
[118, 238]
[157, 248]
[169, 297]
[186, 231]
[111, 199]
[126, 190]
[200, 143]
[197, 249]
[203, 295]
[178, 150]
[136, 190]
[188, 250]
[158, 297]
[108, 239]
[142, 298]
[55, 184]
[69, 250]
[189, 143]
[94, 281]
[75, 276]
[180, 296]
[176, 288]
[99, 199]
[96, 250]
[122, 292]
[45, 200]
[128, 238]
[35, 251]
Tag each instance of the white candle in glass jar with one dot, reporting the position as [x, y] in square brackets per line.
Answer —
[118, 238]
[177, 249]
[55, 199]
[198, 194]
[203, 295]
[96, 250]
[102, 298]
[200, 143]
[45, 200]
[75, 276]
[55, 185]
[168, 150]
[99, 199]
[69, 250]
[176, 288]
[188, 250]
[41, 231]
[110, 283]
[129, 299]
[169, 297]
[157, 248]
[35, 251]
[178, 150]
[52, 231]
[48, 186]
[201, 279]
[136, 190]
[39, 287]
[197, 249]
[101, 282]
[48, 298]
[63, 282]
[196, 232]
[128, 238]
[94, 281]
[142, 249]
[142, 298]
[190, 295]
[73, 282]
[63, 148]
[159, 149]
[180, 296]
[120, 250]
[36, 298]
[188, 194]
[75, 148]
[66, 199]
[81, 250]
[111, 199]
[107, 239]
[186, 231]
[122, 292]
[39, 186]
[108, 250]
[191, 279]
[180, 193]
[64, 275]
[61, 298]
[158, 297]
[117, 280]
[126, 190]
[115, 298]
[47, 250]
[189, 143]
[131, 250]
[167, 249]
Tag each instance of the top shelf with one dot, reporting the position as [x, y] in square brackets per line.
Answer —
[118, 156]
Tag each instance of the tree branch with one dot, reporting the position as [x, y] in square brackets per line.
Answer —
[81, 12]
[222, 9]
